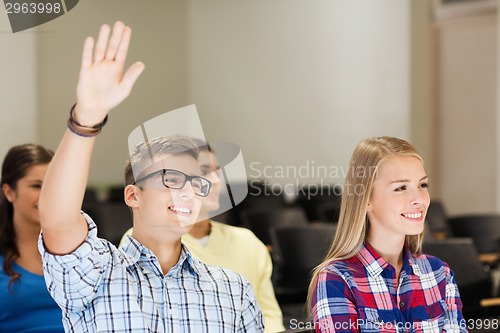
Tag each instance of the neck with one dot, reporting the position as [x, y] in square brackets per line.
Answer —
[391, 250]
[168, 255]
[27, 244]
[167, 247]
[392, 257]
[201, 229]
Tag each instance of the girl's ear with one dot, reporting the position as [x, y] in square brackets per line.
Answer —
[9, 193]
[131, 193]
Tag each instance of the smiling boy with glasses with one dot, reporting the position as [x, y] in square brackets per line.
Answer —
[152, 283]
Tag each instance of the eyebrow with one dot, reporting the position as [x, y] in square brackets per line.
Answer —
[407, 180]
[209, 166]
[35, 180]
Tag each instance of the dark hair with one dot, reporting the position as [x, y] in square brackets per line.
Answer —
[202, 145]
[15, 166]
[146, 151]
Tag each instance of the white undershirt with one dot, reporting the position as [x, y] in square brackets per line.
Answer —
[203, 241]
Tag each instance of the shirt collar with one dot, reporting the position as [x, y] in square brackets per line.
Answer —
[414, 263]
[134, 251]
[375, 264]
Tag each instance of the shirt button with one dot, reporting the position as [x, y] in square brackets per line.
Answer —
[401, 304]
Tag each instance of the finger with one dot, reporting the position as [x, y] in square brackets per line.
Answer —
[131, 76]
[122, 51]
[102, 41]
[115, 40]
[87, 52]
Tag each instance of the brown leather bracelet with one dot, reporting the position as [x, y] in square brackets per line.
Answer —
[84, 131]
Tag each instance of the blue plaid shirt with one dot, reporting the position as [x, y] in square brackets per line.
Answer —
[104, 289]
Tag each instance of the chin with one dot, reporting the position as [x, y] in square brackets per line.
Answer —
[209, 208]
[180, 230]
[187, 224]
[415, 232]
[184, 229]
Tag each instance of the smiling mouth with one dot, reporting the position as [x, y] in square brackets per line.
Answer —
[180, 210]
[413, 216]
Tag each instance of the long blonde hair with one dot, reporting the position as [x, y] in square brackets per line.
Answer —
[353, 224]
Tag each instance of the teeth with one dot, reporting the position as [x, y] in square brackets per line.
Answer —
[413, 215]
[181, 210]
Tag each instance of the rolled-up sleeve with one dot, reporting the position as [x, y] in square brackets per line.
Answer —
[73, 279]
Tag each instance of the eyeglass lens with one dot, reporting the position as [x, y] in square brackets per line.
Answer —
[177, 180]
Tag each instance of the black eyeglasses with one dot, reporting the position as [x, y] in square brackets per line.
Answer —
[176, 179]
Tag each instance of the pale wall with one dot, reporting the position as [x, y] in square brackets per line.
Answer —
[423, 88]
[18, 83]
[298, 83]
[467, 114]
[295, 83]
[158, 40]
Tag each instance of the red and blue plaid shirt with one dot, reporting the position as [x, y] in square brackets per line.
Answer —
[362, 294]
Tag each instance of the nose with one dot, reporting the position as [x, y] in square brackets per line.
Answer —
[420, 197]
[214, 177]
[187, 191]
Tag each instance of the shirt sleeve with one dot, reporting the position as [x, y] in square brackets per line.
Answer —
[332, 304]
[73, 279]
[251, 316]
[454, 320]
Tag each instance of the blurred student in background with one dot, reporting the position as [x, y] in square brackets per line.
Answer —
[25, 303]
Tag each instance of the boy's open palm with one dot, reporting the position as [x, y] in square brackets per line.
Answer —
[102, 84]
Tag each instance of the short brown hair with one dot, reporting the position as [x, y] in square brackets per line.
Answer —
[145, 151]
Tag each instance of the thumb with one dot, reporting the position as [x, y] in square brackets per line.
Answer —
[131, 76]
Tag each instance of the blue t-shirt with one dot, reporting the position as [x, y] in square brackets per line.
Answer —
[27, 307]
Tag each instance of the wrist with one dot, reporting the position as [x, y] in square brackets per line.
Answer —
[84, 130]
[85, 116]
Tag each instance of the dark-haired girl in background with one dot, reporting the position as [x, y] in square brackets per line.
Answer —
[25, 303]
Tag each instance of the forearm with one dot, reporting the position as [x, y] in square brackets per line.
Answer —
[61, 198]
[102, 85]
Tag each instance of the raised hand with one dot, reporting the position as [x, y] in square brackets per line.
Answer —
[102, 84]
